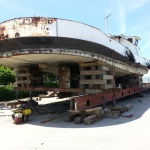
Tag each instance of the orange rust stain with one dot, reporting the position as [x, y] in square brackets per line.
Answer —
[35, 21]
[2, 29]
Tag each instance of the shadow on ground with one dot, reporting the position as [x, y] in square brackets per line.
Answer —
[140, 106]
[59, 110]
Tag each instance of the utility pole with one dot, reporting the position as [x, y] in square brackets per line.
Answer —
[107, 23]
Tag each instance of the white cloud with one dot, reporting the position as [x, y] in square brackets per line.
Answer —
[122, 16]
[136, 4]
[15, 5]
[117, 7]
[125, 7]
[146, 77]
[146, 46]
[108, 11]
[12, 5]
[136, 28]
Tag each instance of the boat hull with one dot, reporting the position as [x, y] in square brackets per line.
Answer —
[55, 51]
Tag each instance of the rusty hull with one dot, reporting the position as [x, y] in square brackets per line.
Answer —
[25, 26]
[23, 39]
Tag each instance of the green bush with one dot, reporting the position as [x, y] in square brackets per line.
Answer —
[7, 93]
[52, 84]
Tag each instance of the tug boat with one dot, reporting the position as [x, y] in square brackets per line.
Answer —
[81, 55]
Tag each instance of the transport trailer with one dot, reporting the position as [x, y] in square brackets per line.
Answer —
[86, 101]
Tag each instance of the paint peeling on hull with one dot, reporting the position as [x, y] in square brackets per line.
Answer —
[35, 26]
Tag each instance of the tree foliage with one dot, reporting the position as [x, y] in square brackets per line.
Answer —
[7, 76]
[48, 77]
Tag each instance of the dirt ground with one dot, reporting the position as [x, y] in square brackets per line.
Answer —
[107, 134]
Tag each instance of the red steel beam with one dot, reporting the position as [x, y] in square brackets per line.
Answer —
[45, 89]
[88, 101]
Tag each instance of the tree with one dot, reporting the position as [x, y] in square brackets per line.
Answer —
[7, 76]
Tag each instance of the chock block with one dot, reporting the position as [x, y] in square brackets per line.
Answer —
[90, 119]
[70, 118]
[112, 114]
[79, 119]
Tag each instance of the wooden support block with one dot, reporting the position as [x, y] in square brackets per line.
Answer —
[128, 107]
[106, 77]
[89, 64]
[49, 94]
[29, 77]
[110, 72]
[98, 111]
[103, 68]
[24, 75]
[79, 119]
[110, 81]
[119, 108]
[13, 104]
[70, 118]
[106, 86]
[90, 119]
[90, 81]
[93, 72]
[112, 114]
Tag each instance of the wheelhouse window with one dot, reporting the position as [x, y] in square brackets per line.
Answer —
[136, 42]
[130, 40]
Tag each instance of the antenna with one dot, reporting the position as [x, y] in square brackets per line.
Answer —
[107, 23]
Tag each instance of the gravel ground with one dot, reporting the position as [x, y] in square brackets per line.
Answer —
[107, 134]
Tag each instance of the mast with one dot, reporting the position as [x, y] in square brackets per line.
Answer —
[107, 23]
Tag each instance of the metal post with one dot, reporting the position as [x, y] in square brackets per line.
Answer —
[56, 27]
[107, 23]
[17, 96]
[114, 100]
[103, 102]
[31, 95]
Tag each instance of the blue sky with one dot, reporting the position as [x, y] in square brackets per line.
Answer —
[128, 17]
